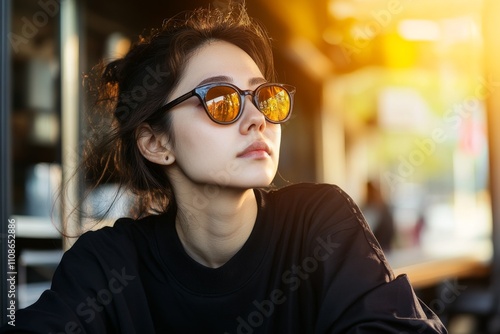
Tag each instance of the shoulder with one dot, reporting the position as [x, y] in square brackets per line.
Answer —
[318, 203]
[308, 193]
[324, 214]
[123, 229]
[118, 233]
[103, 253]
[113, 242]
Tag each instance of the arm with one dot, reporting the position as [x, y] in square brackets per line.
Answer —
[95, 289]
[359, 291]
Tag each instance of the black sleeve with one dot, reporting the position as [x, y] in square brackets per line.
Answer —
[93, 291]
[359, 293]
[390, 308]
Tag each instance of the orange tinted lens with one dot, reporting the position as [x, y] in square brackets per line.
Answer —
[223, 103]
[274, 102]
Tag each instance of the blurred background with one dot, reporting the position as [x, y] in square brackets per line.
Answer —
[397, 102]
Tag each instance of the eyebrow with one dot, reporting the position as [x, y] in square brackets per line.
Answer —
[224, 78]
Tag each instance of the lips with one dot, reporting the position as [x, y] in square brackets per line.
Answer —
[256, 148]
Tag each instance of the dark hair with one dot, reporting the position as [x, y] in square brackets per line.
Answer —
[131, 90]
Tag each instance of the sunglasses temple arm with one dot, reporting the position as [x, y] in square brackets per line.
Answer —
[178, 100]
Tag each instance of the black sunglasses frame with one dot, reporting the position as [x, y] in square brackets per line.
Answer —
[201, 92]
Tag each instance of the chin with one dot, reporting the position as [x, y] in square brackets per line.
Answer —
[248, 178]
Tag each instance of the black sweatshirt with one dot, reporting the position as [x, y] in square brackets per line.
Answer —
[310, 265]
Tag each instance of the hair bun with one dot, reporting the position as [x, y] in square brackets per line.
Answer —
[112, 72]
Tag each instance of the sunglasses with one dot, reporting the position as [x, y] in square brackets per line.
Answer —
[224, 102]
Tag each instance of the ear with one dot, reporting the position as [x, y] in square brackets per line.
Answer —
[153, 146]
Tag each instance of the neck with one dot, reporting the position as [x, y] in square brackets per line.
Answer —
[213, 228]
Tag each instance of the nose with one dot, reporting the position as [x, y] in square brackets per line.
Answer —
[251, 118]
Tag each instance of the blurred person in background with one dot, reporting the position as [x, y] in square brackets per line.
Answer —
[379, 216]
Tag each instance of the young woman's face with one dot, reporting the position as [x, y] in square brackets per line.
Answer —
[243, 154]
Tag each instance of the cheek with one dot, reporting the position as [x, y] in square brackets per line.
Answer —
[196, 144]
[274, 136]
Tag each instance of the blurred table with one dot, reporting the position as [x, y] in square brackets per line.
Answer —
[36, 227]
[429, 265]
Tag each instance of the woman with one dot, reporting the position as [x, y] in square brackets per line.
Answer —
[213, 252]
